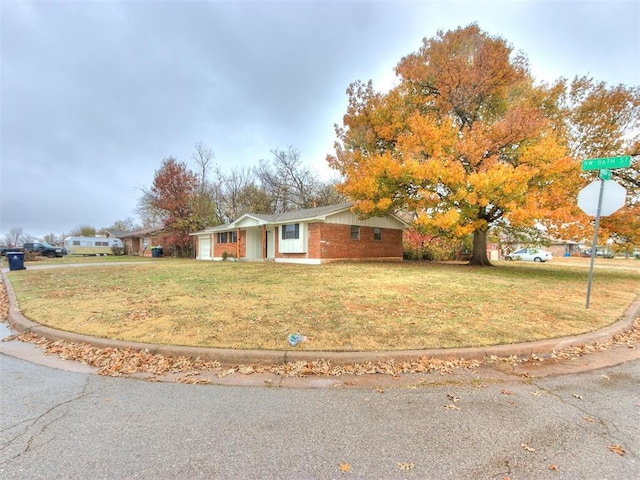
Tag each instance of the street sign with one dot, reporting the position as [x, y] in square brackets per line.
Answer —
[605, 174]
[608, 162]
[599, 199]
[613, 197]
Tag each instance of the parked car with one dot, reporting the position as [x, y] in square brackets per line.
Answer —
[530, 254]
[599, 253]
[4, 249]
[45, 249]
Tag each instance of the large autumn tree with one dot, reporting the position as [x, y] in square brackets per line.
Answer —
[174, 199]
[462, 142]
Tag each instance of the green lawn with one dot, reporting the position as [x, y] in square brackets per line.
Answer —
[342, 306]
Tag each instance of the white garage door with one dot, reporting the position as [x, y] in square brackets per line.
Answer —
[205, 249]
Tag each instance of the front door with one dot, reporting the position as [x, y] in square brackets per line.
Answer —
[270, 243]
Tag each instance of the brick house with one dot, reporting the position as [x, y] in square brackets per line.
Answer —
[312, 236]
[140, 242]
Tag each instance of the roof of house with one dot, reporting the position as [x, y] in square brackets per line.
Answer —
[141, 233]
[304, 215]
[116, 233]
[317, 213]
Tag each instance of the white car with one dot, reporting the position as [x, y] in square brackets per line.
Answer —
[530, 254]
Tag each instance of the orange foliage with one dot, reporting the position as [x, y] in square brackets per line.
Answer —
[467, 140]
[461, 142]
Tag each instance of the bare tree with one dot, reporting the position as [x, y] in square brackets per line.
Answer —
[203, 157]
[290, 184]
[53, 239]
[126, 225]
[206, 199]
[240, 193]
[14, 237]
[83, 231]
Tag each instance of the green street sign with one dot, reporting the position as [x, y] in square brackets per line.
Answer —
[608, 162]
[605, 174]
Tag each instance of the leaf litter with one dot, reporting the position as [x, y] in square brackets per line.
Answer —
[113, 361]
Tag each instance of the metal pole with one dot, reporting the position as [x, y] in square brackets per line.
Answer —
[595, 241]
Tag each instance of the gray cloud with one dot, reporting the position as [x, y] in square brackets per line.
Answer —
[95, 94]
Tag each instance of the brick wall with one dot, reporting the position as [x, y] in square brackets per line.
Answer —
[231, 248]
[329, 241]
[336, 242]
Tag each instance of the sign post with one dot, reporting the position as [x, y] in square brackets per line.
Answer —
[605, 174]
[594, 244]
[614, 199]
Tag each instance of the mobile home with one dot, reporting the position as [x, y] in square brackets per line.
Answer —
[91, 245]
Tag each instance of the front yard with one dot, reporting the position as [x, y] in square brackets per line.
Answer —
[342, 306]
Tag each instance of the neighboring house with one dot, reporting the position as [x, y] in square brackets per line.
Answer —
[564, 248]
[141, 241]
[313, 236]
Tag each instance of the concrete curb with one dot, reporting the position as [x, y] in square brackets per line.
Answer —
[231, 357]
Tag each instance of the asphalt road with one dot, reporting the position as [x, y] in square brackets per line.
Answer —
[58, 424]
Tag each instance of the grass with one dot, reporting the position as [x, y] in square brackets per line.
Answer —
[75, 259]
[343, 306]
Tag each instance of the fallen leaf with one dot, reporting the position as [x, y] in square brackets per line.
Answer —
[527, 447]
[345, 467]
[574, 395]
[536, 394]
[507, 392]
[588, 418]
[606, 377]
[451, 406]
[453, 398]
[405, 466]
[617, 449]
[553, 467]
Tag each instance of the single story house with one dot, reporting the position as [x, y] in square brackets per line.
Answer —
[140, 242]
[311, 236]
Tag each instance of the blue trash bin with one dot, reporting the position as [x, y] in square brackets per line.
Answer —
[16, 260]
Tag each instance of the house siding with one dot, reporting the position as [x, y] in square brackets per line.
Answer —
[350, 218]
[331, 242]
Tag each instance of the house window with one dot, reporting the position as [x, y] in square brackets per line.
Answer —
[377, 233]
[233, 236]
[355, 232]
[291, 231]
[222, 237]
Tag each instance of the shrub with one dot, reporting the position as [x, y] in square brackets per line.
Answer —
[227, 256]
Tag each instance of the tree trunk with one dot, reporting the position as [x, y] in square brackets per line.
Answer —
[479, 255]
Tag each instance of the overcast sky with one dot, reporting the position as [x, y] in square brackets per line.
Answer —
[95, 94]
